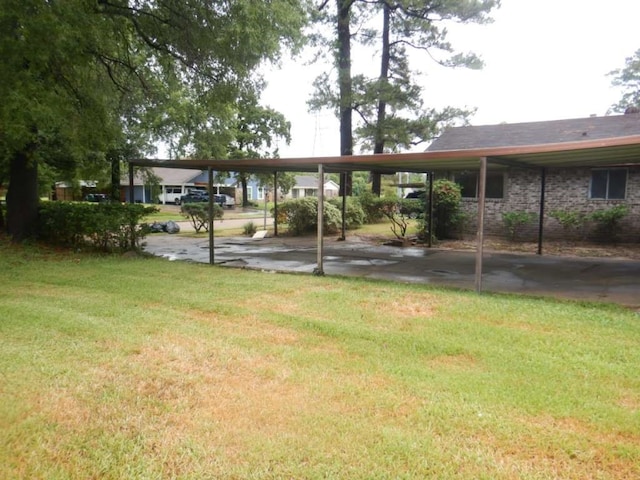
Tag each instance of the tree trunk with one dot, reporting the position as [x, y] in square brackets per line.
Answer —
[2, 226]
[22, 198]
[383, 80]
[114, 159]
[345, 86]
[245, 196]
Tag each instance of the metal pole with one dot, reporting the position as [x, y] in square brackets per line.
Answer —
[430, 211]
[131, 201]
[275, 204]
[482, 182]
[344, 207]
[319, 270]
[264, 195]
[543, 181]
[211, 212]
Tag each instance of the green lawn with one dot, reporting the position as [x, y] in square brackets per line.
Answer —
[116, 367]
[171, 212]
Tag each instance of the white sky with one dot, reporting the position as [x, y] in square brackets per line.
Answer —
[544, 60]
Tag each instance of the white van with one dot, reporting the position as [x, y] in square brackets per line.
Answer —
[172, 195]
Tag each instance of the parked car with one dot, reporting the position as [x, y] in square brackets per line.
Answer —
[416, 194]
[224, 200]
[96, 197]
[172, 195]
[195, 196]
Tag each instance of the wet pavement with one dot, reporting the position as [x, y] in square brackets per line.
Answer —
[592, 279]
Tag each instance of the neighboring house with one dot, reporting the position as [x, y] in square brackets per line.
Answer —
[175, 182]
[510, 188]
[307, 186]
[68, 191]
[172, 184]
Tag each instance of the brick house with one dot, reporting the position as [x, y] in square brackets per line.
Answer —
[514, 188]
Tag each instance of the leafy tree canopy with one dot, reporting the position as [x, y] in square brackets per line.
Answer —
[629, 79]
[81, 77]
[390, 108]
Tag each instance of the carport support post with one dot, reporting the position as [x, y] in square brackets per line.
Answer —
[275, 204]
[344, 206]
[319, 270]
[482, 183]
[131, 201]
[211, 212]
[430, 211]
[543, 181]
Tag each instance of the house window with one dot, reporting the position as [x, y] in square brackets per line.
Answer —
[260, 193]
[468, 182]
[608, 184]
[249, 193]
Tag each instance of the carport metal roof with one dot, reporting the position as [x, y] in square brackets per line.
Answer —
[618, 151]
[587, 153]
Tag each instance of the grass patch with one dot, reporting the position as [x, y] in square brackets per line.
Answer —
[116, 367]
[165, 214]
[383, 229]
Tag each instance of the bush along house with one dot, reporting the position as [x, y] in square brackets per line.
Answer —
[598, 202]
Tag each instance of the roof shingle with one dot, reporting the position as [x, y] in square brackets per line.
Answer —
[537, 133]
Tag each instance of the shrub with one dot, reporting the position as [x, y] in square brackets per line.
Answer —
[372, 206]
[249, 229]
[198, 214]
[301, 216]
[448, 217]
[608, 222]
[104, 226]
[392, 209]
[413, 207]
[354, 214]
[573, 223]
[515, 221]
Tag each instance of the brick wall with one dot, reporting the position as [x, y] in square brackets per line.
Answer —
[566, 189]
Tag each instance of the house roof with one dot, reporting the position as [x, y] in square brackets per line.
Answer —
[81, 183]
[611, 140]
[167, 176]
[307, 181]
[537, 133]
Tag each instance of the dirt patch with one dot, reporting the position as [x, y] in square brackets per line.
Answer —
[549, 247]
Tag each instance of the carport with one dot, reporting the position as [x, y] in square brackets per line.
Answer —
[615, 151]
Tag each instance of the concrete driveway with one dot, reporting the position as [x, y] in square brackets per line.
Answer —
[592, 279]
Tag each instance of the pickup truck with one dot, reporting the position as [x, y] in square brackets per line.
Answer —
[195, 196]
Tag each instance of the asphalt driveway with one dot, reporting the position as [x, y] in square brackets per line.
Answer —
[592, 279]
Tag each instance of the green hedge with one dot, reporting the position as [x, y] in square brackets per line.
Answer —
[372, 206]
[301, 216]
[103, 226]
[354, 214]
[198, 214]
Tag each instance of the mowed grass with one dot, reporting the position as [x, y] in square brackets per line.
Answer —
[117, 367]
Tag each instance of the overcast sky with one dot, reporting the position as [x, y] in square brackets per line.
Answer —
[544, 60]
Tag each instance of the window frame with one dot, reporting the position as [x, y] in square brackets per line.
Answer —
[607, 189]
[476, 179]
